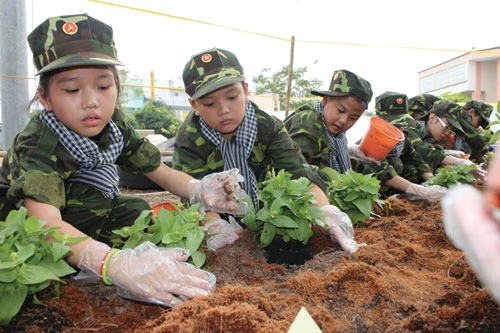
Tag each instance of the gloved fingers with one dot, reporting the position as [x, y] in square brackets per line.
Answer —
[222, 193]
[235, 226]
[455, 153]
[201, 282]
[356, 153]
[175, 253]
[479, 172]
[153, 296]
[222, 240]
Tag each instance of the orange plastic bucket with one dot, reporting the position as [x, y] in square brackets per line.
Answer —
[380, 138]
[166, 205]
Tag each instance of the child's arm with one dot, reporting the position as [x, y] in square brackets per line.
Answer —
[146, 273]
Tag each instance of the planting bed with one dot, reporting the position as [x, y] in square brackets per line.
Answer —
[408, 278]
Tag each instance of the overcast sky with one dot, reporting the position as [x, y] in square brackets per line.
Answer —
[385, 41]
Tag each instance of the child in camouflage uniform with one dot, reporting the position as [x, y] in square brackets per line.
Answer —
[403, 169]
[421, 104]
[226, 130]
[479, 113]
[475, 121]
[319, 128]
[61, 167]
[434, 126]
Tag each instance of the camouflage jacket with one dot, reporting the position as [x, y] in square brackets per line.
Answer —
[37, 165]
[472, 142]
[273, 148]
[433, 154]
[306, 129]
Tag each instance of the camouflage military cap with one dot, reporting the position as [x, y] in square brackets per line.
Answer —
[451, 111]
[345, 83]
[210, 70]
[72, 40]
[393, 107]
[419, 106]
[483, 109]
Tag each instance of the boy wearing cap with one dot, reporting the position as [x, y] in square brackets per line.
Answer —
[474, 122]
[403, 169]
[421, 104]
[225, 130]
[433, 127]
[479, 112]
[319, 128]
[61, 166]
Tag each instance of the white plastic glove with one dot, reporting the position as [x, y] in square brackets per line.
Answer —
[223, 232]
[478, 172]
[431, 193]
[452, 160]
[148, 273]
[340, 228]
[356, 153]
[470, 226]
[219, 192]
[455, 153]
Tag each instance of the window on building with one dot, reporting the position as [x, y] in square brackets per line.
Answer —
[425, 84]
[458, 73]
[441, 79]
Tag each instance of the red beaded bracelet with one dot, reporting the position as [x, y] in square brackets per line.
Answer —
[104, 266]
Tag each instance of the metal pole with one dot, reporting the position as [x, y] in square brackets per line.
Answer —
[290, 77]
[14, 92]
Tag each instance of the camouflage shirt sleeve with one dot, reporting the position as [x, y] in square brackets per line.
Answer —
[412, 157]
[36, 166]
[306, 129]
[273, 148]
[432, 154]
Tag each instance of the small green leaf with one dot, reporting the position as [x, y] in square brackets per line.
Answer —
[284, 222]
[29, 274]
[12, 297]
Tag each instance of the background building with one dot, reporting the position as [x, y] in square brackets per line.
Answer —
[475, 74]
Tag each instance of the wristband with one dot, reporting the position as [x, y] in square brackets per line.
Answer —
[104, 266]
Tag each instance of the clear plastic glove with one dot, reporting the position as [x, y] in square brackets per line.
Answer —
[452, 160]
[340, 228]
[148, 273]
[479, 172]
[223, 232]
[472, 228]
[219, 192]
[356, 153]
[455, 153]
[431, 193]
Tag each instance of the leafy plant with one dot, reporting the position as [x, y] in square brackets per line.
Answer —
[167, 228]
[28, 262]
[354, 193]
[453, 174]
[287, 210]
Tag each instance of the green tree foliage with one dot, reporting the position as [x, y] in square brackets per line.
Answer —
[455, 97]
[157, 115]
[277, 83]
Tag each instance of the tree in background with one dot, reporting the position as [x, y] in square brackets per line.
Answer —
[156, 115]
[455, 97]
[277, 83]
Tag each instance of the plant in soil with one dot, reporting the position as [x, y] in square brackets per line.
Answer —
[167, 228]
[452, 175]
[354, 193]
[284, 221]
[28, 262]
